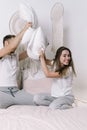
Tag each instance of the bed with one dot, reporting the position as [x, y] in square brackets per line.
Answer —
[41, 117]
[28, 117]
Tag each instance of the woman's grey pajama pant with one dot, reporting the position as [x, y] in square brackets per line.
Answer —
[63, 102]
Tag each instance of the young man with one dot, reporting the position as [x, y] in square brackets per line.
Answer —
[9, 92]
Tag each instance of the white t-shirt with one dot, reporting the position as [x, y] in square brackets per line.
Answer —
[8, 71]
[62, 86]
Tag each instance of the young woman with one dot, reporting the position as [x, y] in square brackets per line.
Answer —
[61, 96]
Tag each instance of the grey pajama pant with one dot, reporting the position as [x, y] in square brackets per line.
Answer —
[14, 96]
[45, 99]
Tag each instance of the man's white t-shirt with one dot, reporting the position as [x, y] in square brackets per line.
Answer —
[8, 71]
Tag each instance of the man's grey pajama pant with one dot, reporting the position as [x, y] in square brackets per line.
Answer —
[13, 96]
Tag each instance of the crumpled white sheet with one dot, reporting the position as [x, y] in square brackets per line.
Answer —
[41, 117]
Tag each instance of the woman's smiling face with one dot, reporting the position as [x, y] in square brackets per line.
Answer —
[65, 58]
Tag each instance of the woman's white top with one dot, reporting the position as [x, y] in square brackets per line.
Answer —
[62, 86]
[8, 71]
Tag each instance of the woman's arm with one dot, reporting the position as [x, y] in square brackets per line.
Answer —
[14, 42]
[48, 73]
[48, 62]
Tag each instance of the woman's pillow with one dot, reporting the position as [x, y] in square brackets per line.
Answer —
[27, 36]
[37, 41]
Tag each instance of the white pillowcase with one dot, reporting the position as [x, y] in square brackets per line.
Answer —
[28, 14]
[37, 42]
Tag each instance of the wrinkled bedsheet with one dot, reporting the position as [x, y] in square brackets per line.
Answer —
[43, 118]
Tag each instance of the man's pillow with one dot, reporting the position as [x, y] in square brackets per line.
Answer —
[24, 14]
[28, 14]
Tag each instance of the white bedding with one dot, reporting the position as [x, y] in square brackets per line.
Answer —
[43, 118]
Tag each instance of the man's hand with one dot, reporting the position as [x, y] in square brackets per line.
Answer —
[27, 25]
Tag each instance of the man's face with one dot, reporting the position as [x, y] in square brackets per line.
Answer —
[7, 42]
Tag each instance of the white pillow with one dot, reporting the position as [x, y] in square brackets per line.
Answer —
[27, 35]
[28, 14]
[37, 41]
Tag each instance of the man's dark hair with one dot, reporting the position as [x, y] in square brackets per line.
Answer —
[7, 37]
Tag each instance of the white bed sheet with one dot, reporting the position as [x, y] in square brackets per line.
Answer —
[43, 118]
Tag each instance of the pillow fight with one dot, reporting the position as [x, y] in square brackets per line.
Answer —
[60, 68]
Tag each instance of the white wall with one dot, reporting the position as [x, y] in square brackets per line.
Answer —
[75, 30]
[75, 26]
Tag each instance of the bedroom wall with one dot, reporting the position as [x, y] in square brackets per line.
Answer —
[75, 31]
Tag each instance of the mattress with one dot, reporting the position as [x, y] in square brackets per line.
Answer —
[43, 118]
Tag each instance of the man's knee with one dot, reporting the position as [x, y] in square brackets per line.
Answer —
[3, 105]
[36, 99]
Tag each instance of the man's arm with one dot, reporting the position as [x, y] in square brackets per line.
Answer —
[15, 42]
